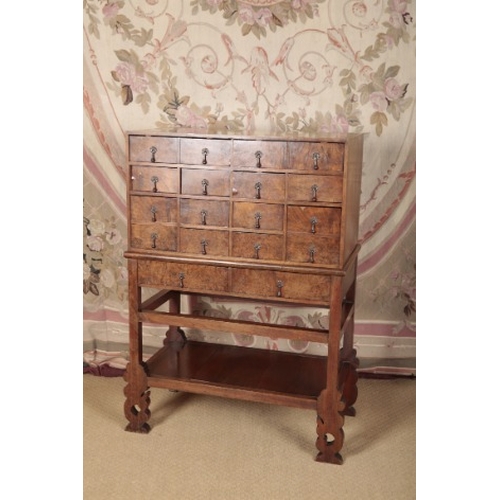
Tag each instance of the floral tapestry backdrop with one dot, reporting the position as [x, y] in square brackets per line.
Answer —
[294, 65]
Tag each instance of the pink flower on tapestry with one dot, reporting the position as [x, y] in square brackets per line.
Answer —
[334, 124]
[263, 17]
[379, 101]
[126, 74]
[110, 9]
[245, 13]
[113, 237]
[393, 90]
[400, 6]
[188, 118]
[209, 64]
[95, 243]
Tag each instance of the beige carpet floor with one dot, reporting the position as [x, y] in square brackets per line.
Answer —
[203, 447]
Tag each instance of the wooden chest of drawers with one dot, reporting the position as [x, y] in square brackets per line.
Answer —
[261, 218]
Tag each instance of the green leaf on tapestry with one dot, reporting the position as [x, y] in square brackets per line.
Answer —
[245, 29]
[123, 55]
[392, 72]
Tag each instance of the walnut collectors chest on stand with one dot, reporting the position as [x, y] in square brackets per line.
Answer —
[261, 218]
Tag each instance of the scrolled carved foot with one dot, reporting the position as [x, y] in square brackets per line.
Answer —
[137, 401]
[329, 428]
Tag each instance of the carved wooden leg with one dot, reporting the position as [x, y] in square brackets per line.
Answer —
[174, 333]
[330, 420]
[348, 379]
[137, 399]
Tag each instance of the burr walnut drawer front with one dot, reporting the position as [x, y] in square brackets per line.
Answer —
[205, 182]
[321, 221]
[204, 242]
[316, 156]
[154, 149]
[204, 212]
[205, 151]
[264, 216]
[315, 188]
[191, 277]
[259, 154]
[260, 186]
[257, 246]
[278, 284]
[154, 236]
[155, 179]
[146, 209]
[312, 249]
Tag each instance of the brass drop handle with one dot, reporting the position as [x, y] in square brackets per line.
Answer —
[258, 187]
[279, 285]
[204, 183]
[257, 218]
[314, 193]
[256, 247]
[153, 151]
[204, 152]
[204, 244]
[154, 237]
[204, 214]
[181, 280]
[314, 221]
[316, 157]
[155, 181]
[258, 155]
[312, 251]
[153, 211]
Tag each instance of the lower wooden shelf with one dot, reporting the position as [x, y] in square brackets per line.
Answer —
[275, 377]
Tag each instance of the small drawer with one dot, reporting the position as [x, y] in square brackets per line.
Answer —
[205, 151]
[154, 237]
[204, 242]
[299, 287]
[322, 221]
[204, 212]
[259, 154]
[259, 216]
[315, 188]
[317, 156]
[154, 179]
[205, 182]
[313, 249]
[178, 276]
[153, 149]
[144, 209]
[260, 186]
[257, 246]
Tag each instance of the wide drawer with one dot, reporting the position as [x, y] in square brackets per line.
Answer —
[280, 284]
[312, 249]
[205, 182]
[205, 151]
[316, 156]
[191, 277]
[265, 216]
[259, 154]
[313, 188]
[209, 242]
[154, 179]
[153, 209]
[258, 246]
[204, 212]
[322, 221]
[153, 149]
[154, 236]
[261, 186]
